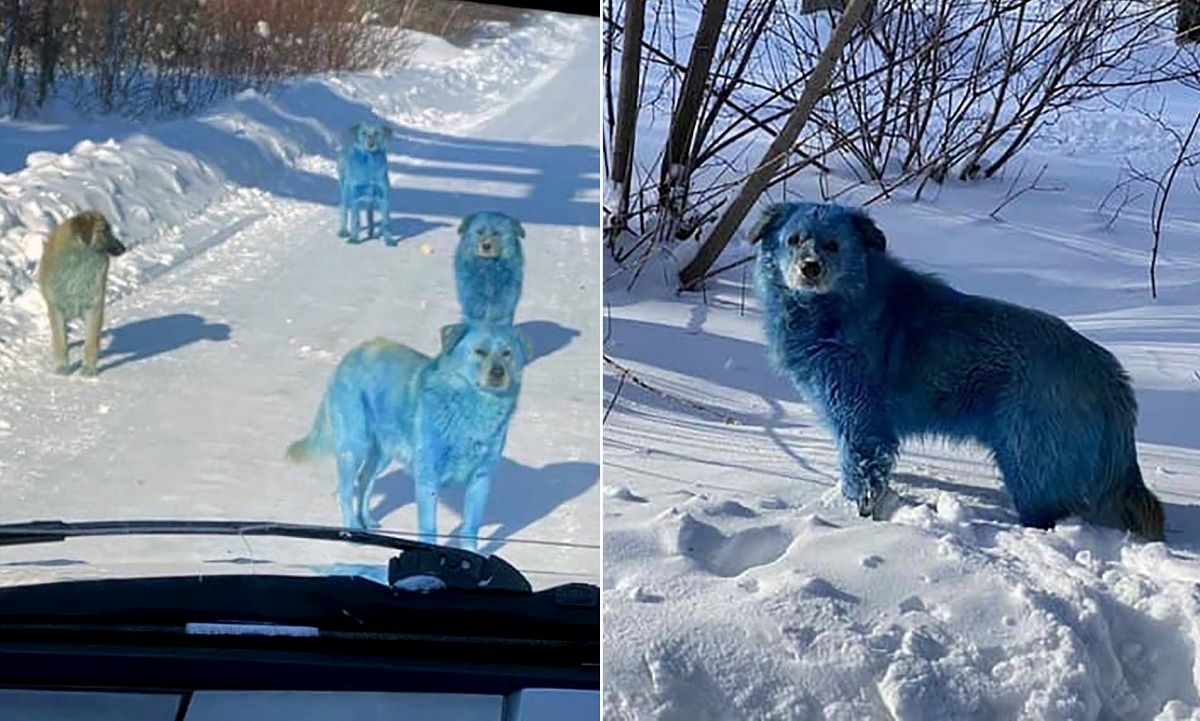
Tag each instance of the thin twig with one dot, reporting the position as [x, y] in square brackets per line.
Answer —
[1156, 224]
[633, 378]
[616, 394]
[728, 266]
[995, 214]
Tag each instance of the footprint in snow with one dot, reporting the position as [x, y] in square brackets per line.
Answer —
[641, 595]
[817, 587]
[730, 508]
[622, 493]
[773, 503]
[719, 554]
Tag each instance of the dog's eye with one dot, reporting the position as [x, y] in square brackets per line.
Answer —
[480, 352]
[831, 246]
[794, 241]
[507, 353]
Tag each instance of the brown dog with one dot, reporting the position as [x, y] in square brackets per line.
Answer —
[73, 277]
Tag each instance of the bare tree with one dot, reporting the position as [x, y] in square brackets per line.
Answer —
[759, 179]
[627, 110]
[675, 170]
[13, 33]
[1187, 21]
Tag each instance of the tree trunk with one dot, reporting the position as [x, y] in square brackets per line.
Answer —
[627, 105]
[10, 18]
[1187, 21]
[49, 48]
[760, 179]
[676, 170]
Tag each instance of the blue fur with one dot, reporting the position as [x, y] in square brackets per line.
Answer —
[885, 353]
[489, 288]
[363, 180]
[434, 416]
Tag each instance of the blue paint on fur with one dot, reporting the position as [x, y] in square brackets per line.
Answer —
[885, 353]
[489, 267]
[443, 419]
[363, 182]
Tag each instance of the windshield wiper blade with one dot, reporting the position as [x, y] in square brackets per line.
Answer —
[457, 568]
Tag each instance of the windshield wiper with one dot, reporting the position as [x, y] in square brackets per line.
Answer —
[457, 568]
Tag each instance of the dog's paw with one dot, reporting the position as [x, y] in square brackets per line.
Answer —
[878, 504]
[62, 369]
[886, 505]
[368, 524]
[869, 500]
[343, 233]
[88, 371]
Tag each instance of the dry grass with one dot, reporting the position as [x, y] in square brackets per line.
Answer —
[161, 57]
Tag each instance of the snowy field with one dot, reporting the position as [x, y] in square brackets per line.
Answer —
[740, 585]
[237, 299]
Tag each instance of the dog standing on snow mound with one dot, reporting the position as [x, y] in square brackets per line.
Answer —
[73, 278]
[489, 267]
[885, 353]
[363, 180]
[443, 419]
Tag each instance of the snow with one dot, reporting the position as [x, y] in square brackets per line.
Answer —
[237, 299]
[738, 583]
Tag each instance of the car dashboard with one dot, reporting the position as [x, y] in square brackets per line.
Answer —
[215, 705]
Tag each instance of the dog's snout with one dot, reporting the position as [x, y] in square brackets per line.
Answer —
[810, 269]
[496, 372]
[489, 246]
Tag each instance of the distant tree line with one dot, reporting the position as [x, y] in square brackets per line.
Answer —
[167, 57]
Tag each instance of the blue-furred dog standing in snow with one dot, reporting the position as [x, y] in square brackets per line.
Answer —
[885, 353]
[443, 419]
[363, 180]
[489, 267]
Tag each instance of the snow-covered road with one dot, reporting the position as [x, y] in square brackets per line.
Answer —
[216, 359]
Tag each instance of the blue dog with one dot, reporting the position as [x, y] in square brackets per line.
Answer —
[885, 353]
[363, 180]
[443, 419]
[489, 266]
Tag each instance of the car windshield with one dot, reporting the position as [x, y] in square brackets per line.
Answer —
[315, 262]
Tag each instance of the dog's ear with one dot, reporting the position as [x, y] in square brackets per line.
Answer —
[518, 228]
[871, 236]
[452, 334]
[770, 214]
[89, 228]
[462, 227]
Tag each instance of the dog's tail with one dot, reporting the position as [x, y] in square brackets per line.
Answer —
[316, 443]
[1140, 511]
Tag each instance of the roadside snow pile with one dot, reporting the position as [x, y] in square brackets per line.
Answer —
[152, 181]
[456, 89]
